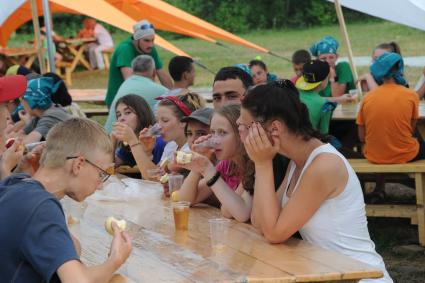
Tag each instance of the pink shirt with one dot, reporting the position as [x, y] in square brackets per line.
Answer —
[294, 79]
[224, 167]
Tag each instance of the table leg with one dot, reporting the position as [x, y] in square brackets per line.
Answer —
[30, 61]
[79, 58]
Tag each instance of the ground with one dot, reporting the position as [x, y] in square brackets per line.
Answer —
[388, 234]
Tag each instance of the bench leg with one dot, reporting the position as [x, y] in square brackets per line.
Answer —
[68, 78]
[420, 193]
[106, 60]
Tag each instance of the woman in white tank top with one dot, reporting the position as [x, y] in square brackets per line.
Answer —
[321, 196]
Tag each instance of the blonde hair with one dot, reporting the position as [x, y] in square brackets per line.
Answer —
[76, 136]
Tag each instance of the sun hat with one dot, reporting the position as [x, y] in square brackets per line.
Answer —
[142, 29]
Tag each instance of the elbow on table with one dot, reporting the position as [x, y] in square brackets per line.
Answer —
[273, 237]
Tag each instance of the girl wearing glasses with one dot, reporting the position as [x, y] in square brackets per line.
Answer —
[133, 115]
[231, 180]
[321, 196]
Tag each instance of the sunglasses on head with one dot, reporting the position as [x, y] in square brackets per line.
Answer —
[146, 26]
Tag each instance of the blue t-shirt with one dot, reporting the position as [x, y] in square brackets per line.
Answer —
[127, 157]
[34, 238]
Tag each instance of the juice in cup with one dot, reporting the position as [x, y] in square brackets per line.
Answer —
[181, 215]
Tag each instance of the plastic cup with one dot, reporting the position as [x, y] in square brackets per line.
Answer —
[74, 210]
[181, 215]
[174, 182]
[155, 174]
[218, 232]
[355, 94]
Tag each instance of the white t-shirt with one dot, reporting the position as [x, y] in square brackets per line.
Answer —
[171, 147]
[102, 35]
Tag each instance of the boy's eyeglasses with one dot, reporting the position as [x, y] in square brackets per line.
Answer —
[103, 174]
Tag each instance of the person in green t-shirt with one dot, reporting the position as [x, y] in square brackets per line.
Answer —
[142, 42]
[341, 78]
[315, 76]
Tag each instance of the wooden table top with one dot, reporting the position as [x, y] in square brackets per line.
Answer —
[349, 111]
[162, 255]
[79, 41]
[17, 51]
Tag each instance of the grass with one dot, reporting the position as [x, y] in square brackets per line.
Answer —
[364, 37]
[386, 233]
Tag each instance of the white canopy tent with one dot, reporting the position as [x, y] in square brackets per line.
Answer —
[406, 12]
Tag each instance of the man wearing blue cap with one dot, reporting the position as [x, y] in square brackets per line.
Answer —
[388, 114]
[142, 42]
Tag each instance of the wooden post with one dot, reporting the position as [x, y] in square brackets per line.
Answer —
[344, 34]
[37, 38]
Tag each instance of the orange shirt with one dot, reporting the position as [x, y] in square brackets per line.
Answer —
[387, 113]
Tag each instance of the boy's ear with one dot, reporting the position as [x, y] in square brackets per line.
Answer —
[77, 164]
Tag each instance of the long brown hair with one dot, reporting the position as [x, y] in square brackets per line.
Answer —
[243, 167]
[141, 108]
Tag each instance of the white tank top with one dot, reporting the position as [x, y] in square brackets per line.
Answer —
[340, 223]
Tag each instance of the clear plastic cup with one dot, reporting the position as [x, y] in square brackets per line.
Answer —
[181, 215]
[218, 232]
[209, 143]
[74, 210]
[174, 182]
[149, 138]
[30, 146]
[155, 174]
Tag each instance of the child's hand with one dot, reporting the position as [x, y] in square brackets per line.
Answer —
[124, 133]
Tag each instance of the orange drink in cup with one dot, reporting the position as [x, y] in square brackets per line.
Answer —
[181, 215]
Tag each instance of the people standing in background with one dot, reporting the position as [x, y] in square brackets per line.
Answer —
[141, 42]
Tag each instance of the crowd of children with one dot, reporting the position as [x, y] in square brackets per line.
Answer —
[260, 155]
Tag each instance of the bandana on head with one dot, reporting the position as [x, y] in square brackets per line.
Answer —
[39, 92]
[327, 45]
[382, 68]
[245, 68]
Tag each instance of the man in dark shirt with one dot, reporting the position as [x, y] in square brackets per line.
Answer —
[229, 87]
[36, 245]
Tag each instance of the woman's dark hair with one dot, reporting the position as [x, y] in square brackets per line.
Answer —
[259, 63]
[191, 100]
[390, 46]
[61, 96]
[141, 109]
[280, 100]
[245, 167]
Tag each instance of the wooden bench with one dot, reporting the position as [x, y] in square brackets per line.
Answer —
[67, 66]
[95, 111]
[416, 213]
[106, 54]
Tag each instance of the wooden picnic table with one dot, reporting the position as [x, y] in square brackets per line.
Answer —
[160, 254]
[19, 56]
[77, 46]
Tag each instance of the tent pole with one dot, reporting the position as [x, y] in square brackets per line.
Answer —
[37, 40]
[347, 43]
[48, 25]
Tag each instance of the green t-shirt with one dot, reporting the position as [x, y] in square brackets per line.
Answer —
[345, 76]
[319, 119]
[122, 57]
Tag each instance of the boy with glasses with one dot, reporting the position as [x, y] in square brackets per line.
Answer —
[36, 244]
